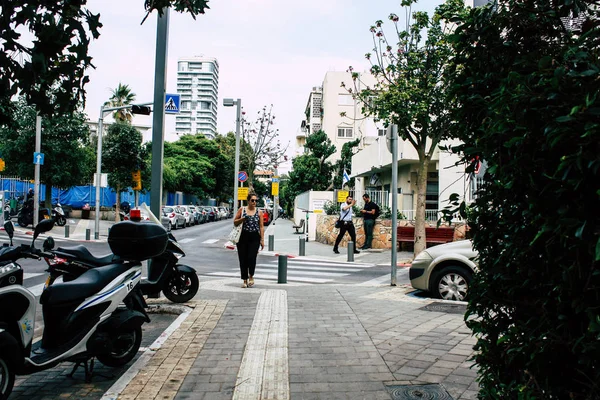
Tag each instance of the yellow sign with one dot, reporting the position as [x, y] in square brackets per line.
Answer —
[318, 211]
[136, 177]
[2, 165]
[242, 193]
[342, 194]
[274, 188]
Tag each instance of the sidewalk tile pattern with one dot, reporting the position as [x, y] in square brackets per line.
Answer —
[165, 372]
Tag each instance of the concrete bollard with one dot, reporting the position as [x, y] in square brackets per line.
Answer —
[271, 243]
[87, 234]
[350, 251]
[302, 250]
[66, 231]
[282, 269]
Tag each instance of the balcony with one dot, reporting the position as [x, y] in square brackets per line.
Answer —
[375, 156]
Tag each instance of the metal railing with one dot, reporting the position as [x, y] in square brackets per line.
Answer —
[430, 215]
[380, 197]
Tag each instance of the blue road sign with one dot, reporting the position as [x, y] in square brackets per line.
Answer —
[38, 158]
[172, 103]
[242, 176]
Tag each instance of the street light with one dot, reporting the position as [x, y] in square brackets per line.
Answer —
[238, 122]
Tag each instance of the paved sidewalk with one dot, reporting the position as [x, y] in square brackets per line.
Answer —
[311, 342]
[76, 228]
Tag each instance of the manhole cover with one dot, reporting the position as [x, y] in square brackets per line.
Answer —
[418, 392]
[446, 308]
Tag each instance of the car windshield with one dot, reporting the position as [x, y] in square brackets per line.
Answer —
[168, 209]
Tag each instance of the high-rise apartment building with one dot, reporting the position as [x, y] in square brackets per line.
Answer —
[198, 85]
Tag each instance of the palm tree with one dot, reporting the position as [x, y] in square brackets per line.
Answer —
[121, 96]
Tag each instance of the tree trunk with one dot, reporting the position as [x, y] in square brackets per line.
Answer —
[420, 240]
[48, 202]
[117, 204]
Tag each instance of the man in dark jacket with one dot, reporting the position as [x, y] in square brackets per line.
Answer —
[369, 212]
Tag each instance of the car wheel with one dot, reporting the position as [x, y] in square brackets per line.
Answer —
[451, 283]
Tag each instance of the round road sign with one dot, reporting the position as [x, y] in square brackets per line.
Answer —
[242, 176]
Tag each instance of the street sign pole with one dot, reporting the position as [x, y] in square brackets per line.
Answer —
[238, 122]
[158, 120]
[394, 145]
[98, 175]
[36, 184]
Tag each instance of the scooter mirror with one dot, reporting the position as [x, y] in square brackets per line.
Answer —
[43, 226]
[48, 243]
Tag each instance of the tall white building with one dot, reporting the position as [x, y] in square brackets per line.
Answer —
[198, 85]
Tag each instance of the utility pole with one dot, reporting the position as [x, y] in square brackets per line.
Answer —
[394, 189]
[98, 175]
[158, 120]
[275, 196]
[36, 178]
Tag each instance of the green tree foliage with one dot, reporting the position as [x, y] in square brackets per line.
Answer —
[121, 96]
[345, 163]
[527, 79]
[411, 91]
[64, 140]
[311, 170]
[190, 165]
[121, 155]
[261, 188]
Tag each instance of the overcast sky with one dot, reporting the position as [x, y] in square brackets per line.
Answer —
[269, 51]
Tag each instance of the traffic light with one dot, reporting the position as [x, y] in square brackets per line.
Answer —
[143, 110]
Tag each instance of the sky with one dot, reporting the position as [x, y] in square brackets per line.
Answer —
[269, 52]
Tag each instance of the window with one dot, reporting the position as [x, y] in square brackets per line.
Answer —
[345, 100]
[345, 132]
[381, 132]
[204, 105]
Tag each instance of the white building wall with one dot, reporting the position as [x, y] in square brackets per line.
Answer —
[306, 205]
[198, 85]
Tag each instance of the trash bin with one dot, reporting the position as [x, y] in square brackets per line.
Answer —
[85, 214]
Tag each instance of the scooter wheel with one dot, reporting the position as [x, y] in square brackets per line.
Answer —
[7, 377]
[22, 222]
[182, 287]
[125, 346]
[62, 221]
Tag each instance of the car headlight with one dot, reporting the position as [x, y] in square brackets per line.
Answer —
[7, 269]
[422, 260]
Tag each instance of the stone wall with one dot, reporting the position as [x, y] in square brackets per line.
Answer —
[382, 232]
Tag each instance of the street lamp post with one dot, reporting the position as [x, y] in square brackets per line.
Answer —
[238, 122]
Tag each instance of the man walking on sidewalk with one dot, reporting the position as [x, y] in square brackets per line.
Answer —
[346, 224]
[369, 212]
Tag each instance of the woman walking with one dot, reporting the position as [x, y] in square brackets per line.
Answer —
[253, 235]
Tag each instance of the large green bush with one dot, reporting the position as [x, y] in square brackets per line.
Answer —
[528, 87]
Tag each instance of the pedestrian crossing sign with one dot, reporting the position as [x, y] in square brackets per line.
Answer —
[172, 103]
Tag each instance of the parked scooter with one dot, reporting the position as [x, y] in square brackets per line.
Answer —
[98, 315]
[178, 282]
[25, 215]
[58, 215]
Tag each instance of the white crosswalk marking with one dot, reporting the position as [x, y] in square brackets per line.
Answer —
[272, 276]
[300, 267]
[186, 240]
[211, 241]
[27, 275]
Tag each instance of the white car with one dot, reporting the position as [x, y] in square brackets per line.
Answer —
[188, 214]
[176, 219]
[223, 213]
[446, 270]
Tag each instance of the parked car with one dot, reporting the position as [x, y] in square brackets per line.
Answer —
[266, 216]
[223, 212]
[189, 216]
[210, 213]
[217, 213]
[198, 217]
[176, 218]
[445, 271]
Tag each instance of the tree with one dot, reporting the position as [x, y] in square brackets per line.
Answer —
[411, 91]
[345, 163]
[311, 170]
[121, 155]
[262, 139]
[64, 147]
[49, 70]
[261, 188]
[121, 96]
[526, 77]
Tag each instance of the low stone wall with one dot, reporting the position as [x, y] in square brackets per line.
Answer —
[382, 232]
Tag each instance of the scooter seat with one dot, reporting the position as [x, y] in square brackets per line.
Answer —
[83, 254]
[89, 283]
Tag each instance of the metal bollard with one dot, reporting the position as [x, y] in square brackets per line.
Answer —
[271, 242]
[302, 251]
[350, 251]
[282, 269]
[96, 235]
[66, 231]
[87, 234]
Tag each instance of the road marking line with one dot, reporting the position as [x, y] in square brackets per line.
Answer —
[267, 276]
[293, 267]
[264, 372]
[294, 271]
[211, 241]
[297, 261]
[377, 281]
[37, 289]
[186, 240]
[28, 275]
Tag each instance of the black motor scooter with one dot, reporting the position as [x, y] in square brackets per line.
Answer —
[178, 282]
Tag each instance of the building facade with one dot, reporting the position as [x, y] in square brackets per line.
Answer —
[198, 85]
